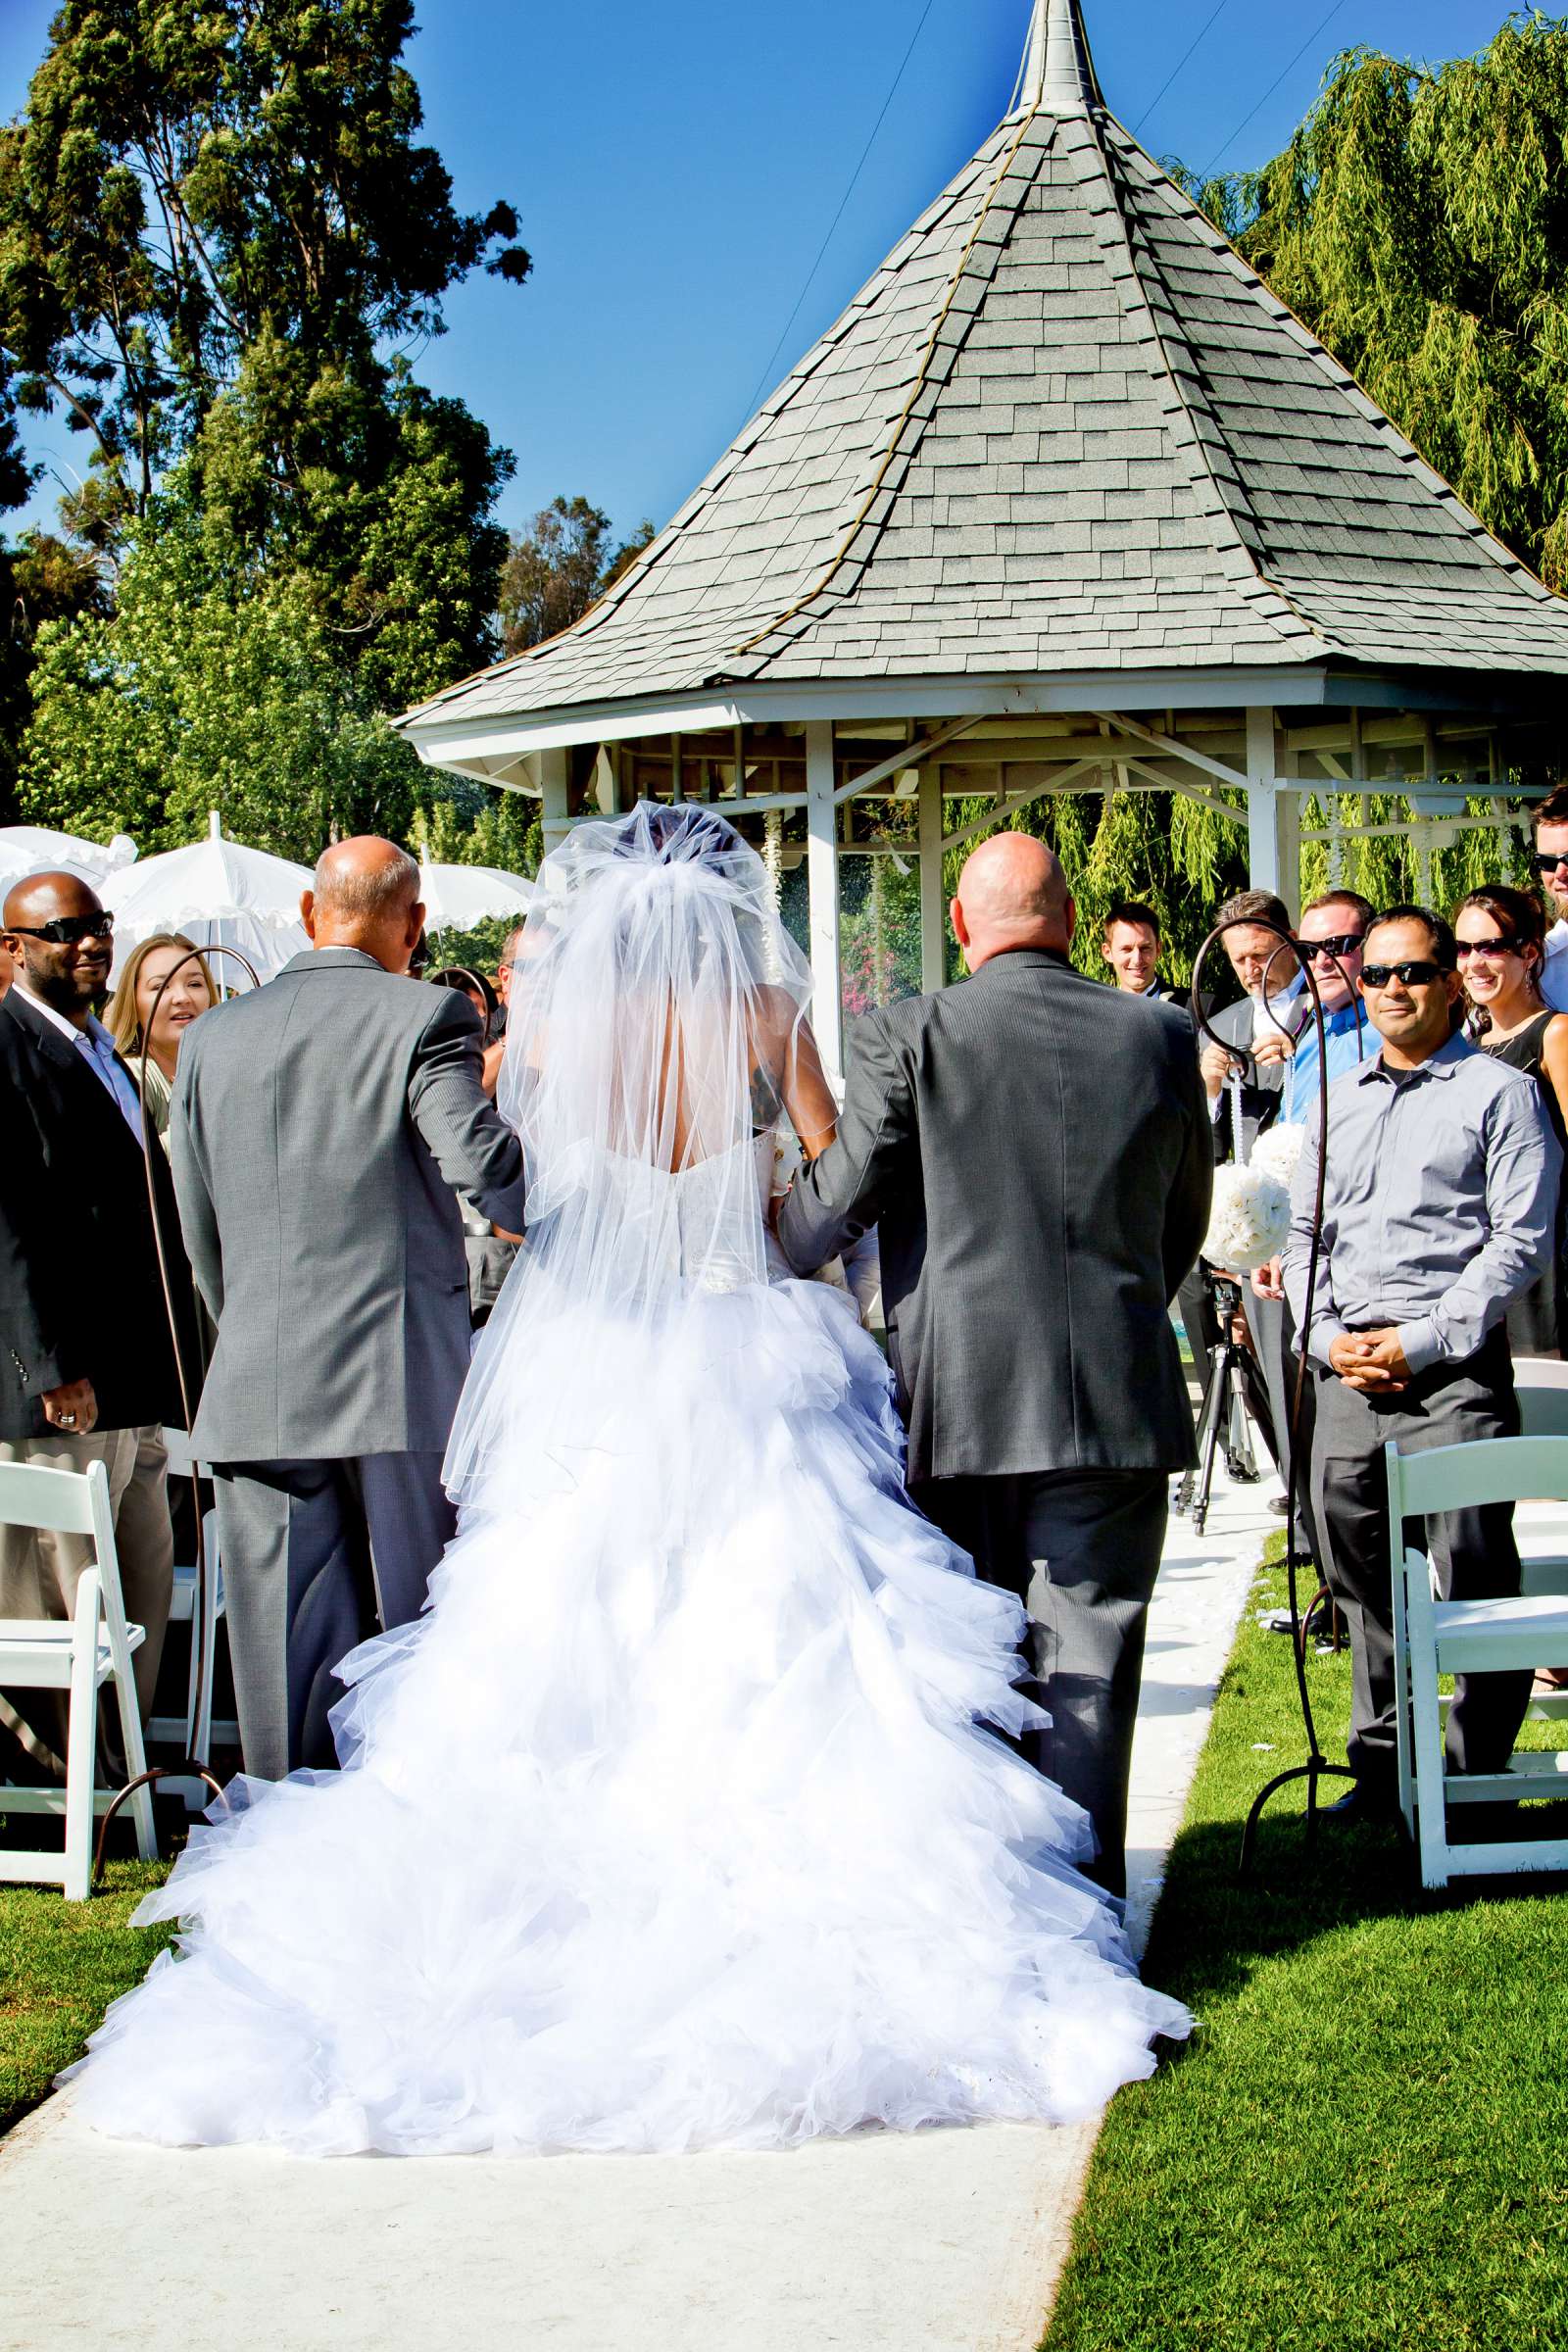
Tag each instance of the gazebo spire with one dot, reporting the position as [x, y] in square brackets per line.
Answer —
[1058, 73]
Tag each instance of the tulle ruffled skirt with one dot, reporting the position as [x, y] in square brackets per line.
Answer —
[673, 1823]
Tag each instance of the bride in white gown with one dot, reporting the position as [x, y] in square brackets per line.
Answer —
[674, 1822]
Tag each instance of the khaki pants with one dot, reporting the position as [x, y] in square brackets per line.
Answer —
[40, 1570]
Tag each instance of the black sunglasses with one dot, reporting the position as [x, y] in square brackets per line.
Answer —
[1417, 973]
[1343, 942]
[67, 929]
[1547, 861]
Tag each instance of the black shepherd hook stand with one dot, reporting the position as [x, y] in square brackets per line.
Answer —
[1317, 1766]
[193, 1767]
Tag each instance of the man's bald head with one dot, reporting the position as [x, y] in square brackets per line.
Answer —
[366, 895]
[1011, 894]
[45, 898]
[69, 974]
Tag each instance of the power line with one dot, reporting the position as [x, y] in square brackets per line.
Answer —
[1176, 69]
[766, 376]
[1314, 34]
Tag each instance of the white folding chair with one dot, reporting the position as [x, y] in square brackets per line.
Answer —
[95, 1648]
[1433, 1637]
[191, 1735]
[1541, 1528]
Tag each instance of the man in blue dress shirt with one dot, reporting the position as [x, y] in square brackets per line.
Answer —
[1439, 1209]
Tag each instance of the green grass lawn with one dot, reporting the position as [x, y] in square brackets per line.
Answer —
[1366, 2145]
[61, 1965]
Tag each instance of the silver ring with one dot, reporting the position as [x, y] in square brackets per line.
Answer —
[68, 1420]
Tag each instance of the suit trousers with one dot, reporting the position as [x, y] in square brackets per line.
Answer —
[1473, 1551]
[39, 1572]
[1081, 1551]
[317, 1556]
[1273, 1333]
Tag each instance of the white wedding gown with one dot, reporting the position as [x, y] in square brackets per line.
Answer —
[672, 1823]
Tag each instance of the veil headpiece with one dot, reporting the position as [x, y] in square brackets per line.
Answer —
[655, 1000]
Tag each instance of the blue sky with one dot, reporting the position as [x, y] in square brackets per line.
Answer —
[676, 168]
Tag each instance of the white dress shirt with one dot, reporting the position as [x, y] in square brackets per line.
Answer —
[97, 1049]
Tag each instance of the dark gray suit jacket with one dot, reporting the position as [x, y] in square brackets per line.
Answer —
[319, 1128]
[1036, 1152]
[81, 1298]
[1263, 1084]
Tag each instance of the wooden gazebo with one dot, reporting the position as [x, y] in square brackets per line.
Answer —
[1065, 500]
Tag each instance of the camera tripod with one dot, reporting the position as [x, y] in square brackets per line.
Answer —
[1234, 1387]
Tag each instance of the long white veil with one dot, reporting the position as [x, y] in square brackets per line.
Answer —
[654, 1015]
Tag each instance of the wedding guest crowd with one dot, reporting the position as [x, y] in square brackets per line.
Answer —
[1443, 1256]
[1443, 1234]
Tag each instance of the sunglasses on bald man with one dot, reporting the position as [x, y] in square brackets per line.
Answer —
[67, 929]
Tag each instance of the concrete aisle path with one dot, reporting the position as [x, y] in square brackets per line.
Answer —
[946, 2241]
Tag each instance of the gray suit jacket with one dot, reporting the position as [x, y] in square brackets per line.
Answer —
[1263, 1085]
[319, 1127]
[1036, 1152]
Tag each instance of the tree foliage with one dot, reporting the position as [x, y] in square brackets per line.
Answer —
[199, 693]
[1418, 224]
[220, 239]
[559, 566]
[469, 825]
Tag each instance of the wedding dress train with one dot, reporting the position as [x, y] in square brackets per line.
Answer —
[675, 1822]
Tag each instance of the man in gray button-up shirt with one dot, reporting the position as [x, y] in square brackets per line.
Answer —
[1438, 1212]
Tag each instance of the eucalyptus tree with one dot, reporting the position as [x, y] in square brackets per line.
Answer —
[558, 566]
[221, 241]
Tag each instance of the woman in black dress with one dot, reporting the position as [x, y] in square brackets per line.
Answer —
[1501, 938]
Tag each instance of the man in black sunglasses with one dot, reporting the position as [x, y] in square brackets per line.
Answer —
[1551, 869]
[86, 1366]
[1439, 1204]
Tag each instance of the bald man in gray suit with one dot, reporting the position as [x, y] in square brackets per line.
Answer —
[1035, 1150]
[323, 1129]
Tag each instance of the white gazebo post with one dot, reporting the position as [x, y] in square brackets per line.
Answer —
[933, 912]
[823, 884]
[1273, 815]
[555, 772]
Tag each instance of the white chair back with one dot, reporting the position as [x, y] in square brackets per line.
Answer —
[1543, 1404]
[59, 1501]
[41, 1654]
[1458, 1478]
[181, 1460]
[1506, 1634]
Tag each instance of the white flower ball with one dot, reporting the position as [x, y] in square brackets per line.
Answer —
[1249, 1221]
[1277, 1151]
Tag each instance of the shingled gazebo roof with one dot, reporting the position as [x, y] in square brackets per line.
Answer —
[1063, 431]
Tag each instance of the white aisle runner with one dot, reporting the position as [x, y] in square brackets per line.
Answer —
[946, 2241]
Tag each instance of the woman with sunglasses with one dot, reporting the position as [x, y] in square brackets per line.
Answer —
[1500, 936]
